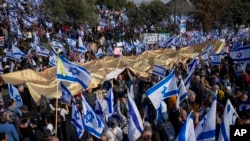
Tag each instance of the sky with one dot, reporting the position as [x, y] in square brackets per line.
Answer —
[139, 1]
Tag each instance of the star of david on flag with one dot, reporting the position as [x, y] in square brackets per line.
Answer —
[66, 94]
[76, 120]
[241, 54]
[14, 94]
[68, 71]
[163, 89]
[92, 123]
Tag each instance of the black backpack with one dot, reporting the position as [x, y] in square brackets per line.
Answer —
[169, 131]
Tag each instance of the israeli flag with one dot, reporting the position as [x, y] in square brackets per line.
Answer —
[215, 59]
[27, 23]
[182, 95]
[52, 57]
[162, 109]
[228, 118]
[187, 132]
[209, 49]
[188, 80]
[109, 97]
[206, 128]
[98, 107]
[76, 120]
[163, 89]
[20, 34]
[18, 53]
[66, 94]
[72, 43]
[204, 56]
[99, 53]
[240, 67]
[169, 41]
[135, 125]
[241, 54]
[57, 43]
[92, 123]
[1, 68]
[48, 24]
[14, 94]
[68, 71]
[42, 51]
[81, 47]
[10, 55]
[12, 66]
[192, 65]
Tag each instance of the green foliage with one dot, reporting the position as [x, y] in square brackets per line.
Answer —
[237, 12]
[77, 10]
[209, 12]
[147, 13]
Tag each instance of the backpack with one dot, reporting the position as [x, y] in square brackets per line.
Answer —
[169, 131]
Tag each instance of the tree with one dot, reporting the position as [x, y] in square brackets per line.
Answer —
[76, 10]
[209, 12]
[147, 13]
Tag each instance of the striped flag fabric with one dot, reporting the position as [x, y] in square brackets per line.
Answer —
[135, 125]
[14, 94]
[163, 89]
[76, 120]
[68, 71]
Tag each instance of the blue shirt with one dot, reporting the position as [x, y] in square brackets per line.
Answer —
[10, 130]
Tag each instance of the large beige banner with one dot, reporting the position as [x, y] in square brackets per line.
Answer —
[45, 83]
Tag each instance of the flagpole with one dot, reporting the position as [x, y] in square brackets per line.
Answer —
[57, 90]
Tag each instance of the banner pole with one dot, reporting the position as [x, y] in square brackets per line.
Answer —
[57, 89]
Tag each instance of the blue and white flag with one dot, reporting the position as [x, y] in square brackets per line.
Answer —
[14, 94]
[209, 49]
[162, 109]
[187, 132]
[240, 66]
[241, 54]
[206, 128]
[1, 68]
[99, 53]
[215, 59]
[52, 57]
[17, 53]
[19, 34]
[188, 80]
[98, 107]
[192, 65]
[228, 118]
[72, 43]
[57, 43]
[68, 71]
[66, 94]
[135, 125]
[48, 24]
[109, 97]
[42, 51]
[92, 123]
[12, 66]
[163, 89]
[204, 56]
[76, 120]
[182, 94]
[169, 41]
[81, 47]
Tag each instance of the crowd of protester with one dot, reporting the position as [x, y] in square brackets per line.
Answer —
[37, 123]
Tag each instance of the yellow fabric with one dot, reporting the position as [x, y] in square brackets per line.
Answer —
[45, 82]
